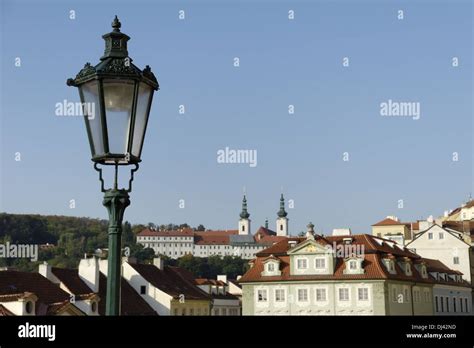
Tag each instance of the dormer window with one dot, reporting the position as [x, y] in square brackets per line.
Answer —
[271, 266]
[424, 274]
[353, 266]
[389, 265]
[407, 269]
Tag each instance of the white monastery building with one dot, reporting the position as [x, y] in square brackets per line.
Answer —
[240, 242]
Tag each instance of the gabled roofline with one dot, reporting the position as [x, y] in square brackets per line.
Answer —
[419, 234]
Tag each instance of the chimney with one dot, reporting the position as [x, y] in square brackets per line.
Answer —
[159, 263]
[222, 278]
[89, 272]
[45, 270]
[310, 231]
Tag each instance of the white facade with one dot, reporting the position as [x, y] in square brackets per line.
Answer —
[244, 226]
[446, 246]
[314, 299]
[171, 246]
[467, 213]
[282, 226]
[178, 246]
[159, 300]
[452, 300]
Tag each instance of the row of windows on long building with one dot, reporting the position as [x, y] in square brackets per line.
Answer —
[445, 304]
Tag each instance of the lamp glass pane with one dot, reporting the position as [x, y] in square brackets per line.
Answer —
[89, 93]
[141, 117]
[118, 100]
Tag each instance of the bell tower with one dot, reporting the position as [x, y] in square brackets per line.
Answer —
[282, 220]
[244, 221]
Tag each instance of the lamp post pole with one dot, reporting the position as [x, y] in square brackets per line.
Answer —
[121, 95]
[116, 201]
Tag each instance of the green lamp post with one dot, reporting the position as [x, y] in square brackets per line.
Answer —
[120, 95]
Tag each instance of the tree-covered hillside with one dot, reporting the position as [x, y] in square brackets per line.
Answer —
[72, 237]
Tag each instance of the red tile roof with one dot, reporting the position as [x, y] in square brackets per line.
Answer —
[388, 222]
[211, 240]
[131, 303]
[174, 281]
[263, 231]
[70, 278]
[48, 293]
[460, 226]
[16, 297]
[171, 233]
[217, 232]
[205, 281]
[270, 239]
[433, 265]
[469, 204]
[375, 249]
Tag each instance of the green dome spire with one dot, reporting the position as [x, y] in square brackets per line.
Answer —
[282, 213]
[244, 214]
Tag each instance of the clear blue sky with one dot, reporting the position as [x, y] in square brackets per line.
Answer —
[282, 62]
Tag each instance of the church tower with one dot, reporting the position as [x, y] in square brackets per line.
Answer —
[282, 220]
[244, 221]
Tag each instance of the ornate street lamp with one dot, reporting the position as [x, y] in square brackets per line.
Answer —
[120, 95]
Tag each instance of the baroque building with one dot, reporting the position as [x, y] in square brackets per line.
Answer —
[239, 242]
[343, 275]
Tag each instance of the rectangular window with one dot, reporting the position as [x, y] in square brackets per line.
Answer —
[321, 295]
[302, 264]
[456, 260]
[302, 295]
[191, 311]
[224, 311]
[454, 305]
[262, 295]
[279, 295]
[199, 311]
[441, 301]
[447, 304]
[143, 289]
[363, 294]
[466, 306]
[176, 311]
[217, 311]
[352, 265]
[436, 304]
[320, 263]
[406, 295]
[430, 235]
[343, 294]
[441, 235]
